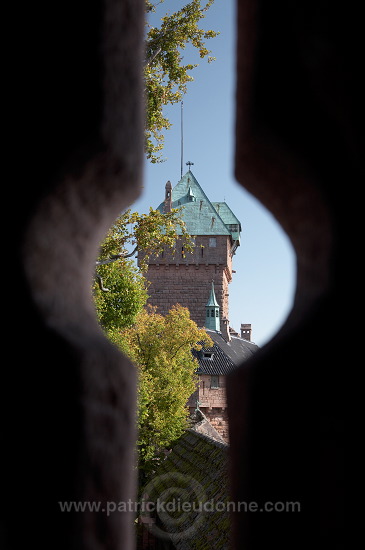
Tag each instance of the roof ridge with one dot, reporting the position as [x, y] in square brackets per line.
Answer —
[205, 195]
[220, 444]
[210, 202]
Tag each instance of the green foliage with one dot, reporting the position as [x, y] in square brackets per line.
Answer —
[120, 289]
[148, 233]
[166, 76]
[160, 347]
[125, 296]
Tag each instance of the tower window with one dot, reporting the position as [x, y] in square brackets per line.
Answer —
[216, 313]
[212, 242]
[214, 382]
[212, 313]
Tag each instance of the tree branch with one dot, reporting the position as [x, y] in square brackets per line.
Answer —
[152, 56]
[101, 286]
[116, 257]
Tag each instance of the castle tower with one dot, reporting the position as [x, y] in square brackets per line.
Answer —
[185, 278]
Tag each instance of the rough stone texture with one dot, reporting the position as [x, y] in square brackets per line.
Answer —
[76, 134]
[212, 402]
[200, 423]
[218, 418]
[207, 396]
[297, 142]
[187, 281]
[68, 396]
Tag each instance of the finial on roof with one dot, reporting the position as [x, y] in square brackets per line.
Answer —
[189, 163]
[212, 299]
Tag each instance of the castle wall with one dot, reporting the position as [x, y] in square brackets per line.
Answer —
[212, 397]
[219, 420]
[187, 280]
[212, 402]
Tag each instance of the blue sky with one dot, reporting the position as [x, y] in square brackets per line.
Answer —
[262, 289]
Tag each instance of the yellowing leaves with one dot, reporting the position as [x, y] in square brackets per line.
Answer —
[160, 347]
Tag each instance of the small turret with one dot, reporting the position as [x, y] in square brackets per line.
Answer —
[212, 318]
[168, 197]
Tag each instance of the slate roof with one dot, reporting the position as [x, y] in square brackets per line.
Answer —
[199, 214]
[226, 356]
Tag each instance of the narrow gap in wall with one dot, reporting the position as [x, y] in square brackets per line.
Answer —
[254, 292]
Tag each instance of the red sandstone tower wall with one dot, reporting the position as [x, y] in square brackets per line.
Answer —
[186, 280]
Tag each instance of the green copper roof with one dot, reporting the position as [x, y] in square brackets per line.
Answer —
[212, 319]
[226, 213]
[212, 302]
[198, 213]
[232, 223]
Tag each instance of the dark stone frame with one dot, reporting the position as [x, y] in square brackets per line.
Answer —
[76, 160]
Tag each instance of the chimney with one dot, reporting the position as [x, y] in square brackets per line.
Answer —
[168, 197]
[225, 329]
[246, 331]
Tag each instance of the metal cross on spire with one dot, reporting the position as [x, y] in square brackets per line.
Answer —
[189, 163]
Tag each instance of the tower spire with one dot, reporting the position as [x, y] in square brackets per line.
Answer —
[212, 318]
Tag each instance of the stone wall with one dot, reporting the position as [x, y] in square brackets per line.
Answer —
[75, 134]
[212, 402]
[212, 397]
[187, 281]
[218, 418]
[75, 148]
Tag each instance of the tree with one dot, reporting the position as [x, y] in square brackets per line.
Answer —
[120, 289]
[123, 296]
[160, 347]
[146, 234]
[165, 75]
